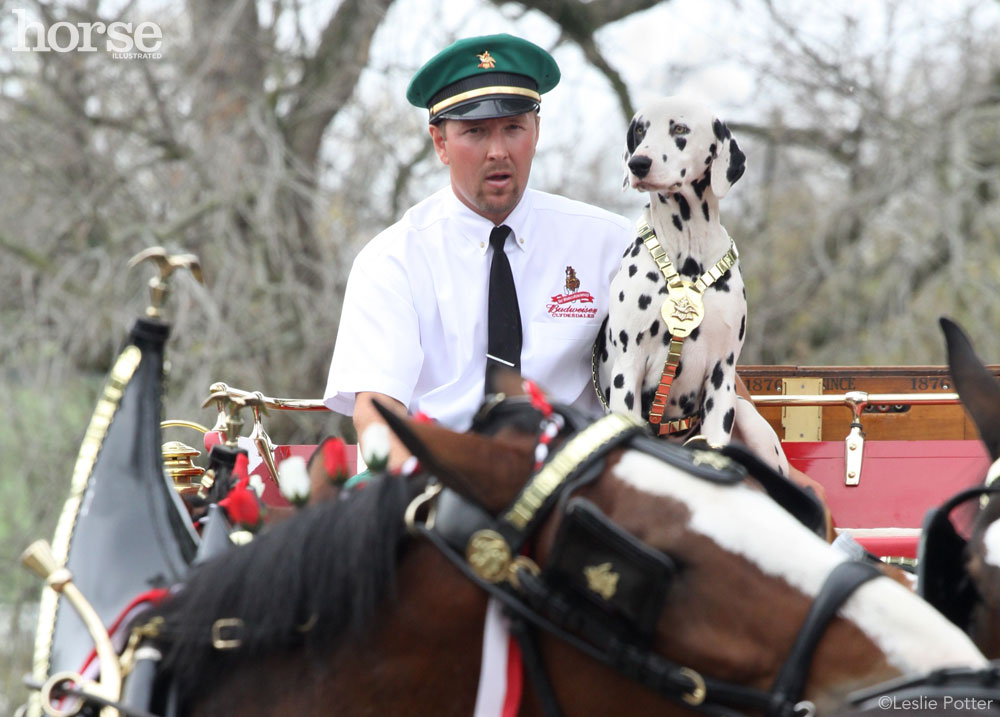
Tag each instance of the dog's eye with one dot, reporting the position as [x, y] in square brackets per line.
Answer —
[679, 129]
[640, 132]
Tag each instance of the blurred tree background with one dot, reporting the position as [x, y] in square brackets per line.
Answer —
[272, 139]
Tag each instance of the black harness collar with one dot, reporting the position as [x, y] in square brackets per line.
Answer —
[615, 633]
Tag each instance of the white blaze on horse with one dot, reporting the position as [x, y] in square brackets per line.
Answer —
[672, 565]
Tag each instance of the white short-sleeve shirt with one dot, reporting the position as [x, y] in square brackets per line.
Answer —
[414, 321]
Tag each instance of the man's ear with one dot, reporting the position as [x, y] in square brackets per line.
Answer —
[437, 136]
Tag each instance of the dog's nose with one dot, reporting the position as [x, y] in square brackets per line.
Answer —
[640, 165]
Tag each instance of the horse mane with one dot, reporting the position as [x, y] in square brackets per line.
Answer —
[310, 581]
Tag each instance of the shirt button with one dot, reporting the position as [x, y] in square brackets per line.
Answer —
[482, 244]
[521, 240]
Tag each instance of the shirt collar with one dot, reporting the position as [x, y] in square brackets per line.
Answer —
[475, 228]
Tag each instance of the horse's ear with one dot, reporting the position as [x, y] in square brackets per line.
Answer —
[487, 470]
[980, 392]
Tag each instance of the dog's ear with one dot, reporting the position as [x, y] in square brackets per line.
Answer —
[729, 163]
[630, 145]
[627, 171]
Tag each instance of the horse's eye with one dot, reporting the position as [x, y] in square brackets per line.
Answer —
[679, 129]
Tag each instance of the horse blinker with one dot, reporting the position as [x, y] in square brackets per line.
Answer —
[608, 569]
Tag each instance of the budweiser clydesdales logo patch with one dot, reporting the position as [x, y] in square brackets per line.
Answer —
[572, 302]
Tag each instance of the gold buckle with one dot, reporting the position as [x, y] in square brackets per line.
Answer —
[696, 695]
[219, 641]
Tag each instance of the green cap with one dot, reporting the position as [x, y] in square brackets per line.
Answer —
[484, 77]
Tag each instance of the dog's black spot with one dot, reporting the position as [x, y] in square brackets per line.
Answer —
[720, 130]
[709, 405]
[629, 400]
[717, 375]
[704, 210]
[680, 367]
[654, 329]
[776, 451]
[680, 142]
[620, 380]
[646, 205]
[673, 401]
[630, 135]
[727, 422]
[691, 268]
[744, 293]
[722, 283]
[663, 289]
[708, 159]
[638, 338]
[684, 171]
[623, 337]
[677, 223]
[647, 401]
[637, 248]
[652, 276]
[621, 296]
[728, 388]
[663, 199]
[729, 360]
[632, 268]
[644, 301]
[700, 185]
[686, 404]
[664, 158]
[695, 334]
[684, 207]
[666, 338]
[607, 395]
[743, 326]
[737, 162]
[604, 355]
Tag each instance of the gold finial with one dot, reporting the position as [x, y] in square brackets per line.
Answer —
[486, 60]
[178, 459]
[167, 264]
[229, 406]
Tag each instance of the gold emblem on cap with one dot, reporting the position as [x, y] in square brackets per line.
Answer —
[486, 60]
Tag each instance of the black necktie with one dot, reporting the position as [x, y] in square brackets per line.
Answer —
[504, 345]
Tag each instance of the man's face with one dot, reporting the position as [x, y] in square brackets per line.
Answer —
[489, 160]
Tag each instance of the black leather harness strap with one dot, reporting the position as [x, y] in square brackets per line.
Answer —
[839, 585]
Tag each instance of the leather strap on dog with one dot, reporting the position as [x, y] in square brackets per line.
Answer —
[682, 312]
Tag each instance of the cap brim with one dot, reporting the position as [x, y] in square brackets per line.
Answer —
[487, 108]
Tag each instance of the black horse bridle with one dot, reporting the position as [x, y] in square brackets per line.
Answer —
[487, 550]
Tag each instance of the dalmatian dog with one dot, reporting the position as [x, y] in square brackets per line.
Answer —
[686, 160]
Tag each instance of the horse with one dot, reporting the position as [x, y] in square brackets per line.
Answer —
[644, 577]
[960, 549]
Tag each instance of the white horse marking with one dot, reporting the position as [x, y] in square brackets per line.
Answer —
[913, 636]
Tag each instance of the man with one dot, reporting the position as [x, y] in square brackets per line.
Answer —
[415, 330]
[419, 328]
